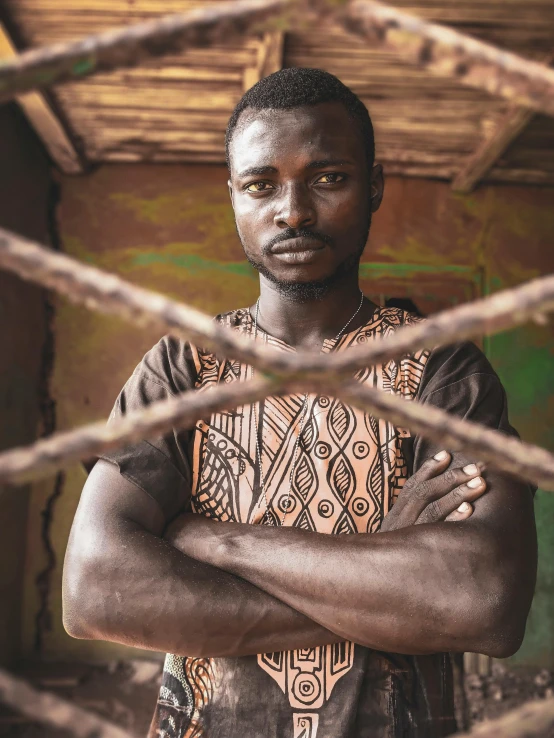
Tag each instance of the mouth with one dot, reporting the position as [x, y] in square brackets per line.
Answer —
[298, 246]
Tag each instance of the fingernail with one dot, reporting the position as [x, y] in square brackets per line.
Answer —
[464, 507]
[441, 456]
[471, 469]
[473, 483]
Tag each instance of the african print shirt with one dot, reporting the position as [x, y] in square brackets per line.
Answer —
[350, 467]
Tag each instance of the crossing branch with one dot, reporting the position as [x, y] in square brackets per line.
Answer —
[108, 293]
[438, 49]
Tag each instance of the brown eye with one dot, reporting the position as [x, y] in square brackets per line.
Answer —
[331, 178]
[257, 187]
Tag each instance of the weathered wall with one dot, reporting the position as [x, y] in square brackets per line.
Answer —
[25, 188]
[171, 228]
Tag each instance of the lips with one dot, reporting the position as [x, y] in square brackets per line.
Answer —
[297, 245]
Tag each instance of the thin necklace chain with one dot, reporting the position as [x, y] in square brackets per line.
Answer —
[263, 497]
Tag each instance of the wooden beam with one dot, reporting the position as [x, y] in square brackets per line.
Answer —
[269, 58]
[43, 119]
[493, 146]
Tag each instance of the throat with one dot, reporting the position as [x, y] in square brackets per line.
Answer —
[301, 328]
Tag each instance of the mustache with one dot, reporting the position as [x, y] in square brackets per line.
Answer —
[290, 233]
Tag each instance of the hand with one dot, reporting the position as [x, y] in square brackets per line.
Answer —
[435, 493]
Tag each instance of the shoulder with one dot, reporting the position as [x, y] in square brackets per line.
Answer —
[170, 364]
[175, 363]
[239, 319]
[389, 319]
[457, 363]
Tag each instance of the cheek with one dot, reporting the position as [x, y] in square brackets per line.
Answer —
[345, 212]
[252, 216]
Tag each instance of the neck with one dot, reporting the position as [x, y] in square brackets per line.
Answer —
[307, 323]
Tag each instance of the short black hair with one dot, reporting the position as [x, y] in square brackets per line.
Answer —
[295, 87]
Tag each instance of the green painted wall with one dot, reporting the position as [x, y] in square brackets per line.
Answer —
[171, 228]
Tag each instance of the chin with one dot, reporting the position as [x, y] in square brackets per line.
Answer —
[304, 288]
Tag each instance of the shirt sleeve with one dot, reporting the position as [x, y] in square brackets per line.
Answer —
[160, 466]
[460, 380]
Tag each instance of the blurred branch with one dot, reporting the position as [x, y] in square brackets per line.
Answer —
[45, 707]
[108, 293]
[132, 44]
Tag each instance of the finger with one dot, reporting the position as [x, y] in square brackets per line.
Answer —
[463, 512]
[430, 469]
[438, 510]
[436, 489]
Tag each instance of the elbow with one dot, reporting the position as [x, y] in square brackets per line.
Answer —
[498, 622]
[502, 634]
[80, 601]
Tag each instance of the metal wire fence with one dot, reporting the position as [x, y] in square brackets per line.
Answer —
[439, 50]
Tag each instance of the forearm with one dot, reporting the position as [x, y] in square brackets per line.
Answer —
[145, 593]
[422, 589]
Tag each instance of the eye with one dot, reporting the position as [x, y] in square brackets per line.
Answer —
[257, 187]
[331, 178]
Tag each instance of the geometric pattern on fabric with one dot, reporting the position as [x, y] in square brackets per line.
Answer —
[349, 470]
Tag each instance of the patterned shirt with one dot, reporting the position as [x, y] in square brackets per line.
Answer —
[347, 470]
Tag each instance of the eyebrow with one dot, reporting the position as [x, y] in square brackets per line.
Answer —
[318, 164]
[322, 163]
[257, 171]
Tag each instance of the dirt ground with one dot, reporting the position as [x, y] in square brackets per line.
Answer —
[125, 692]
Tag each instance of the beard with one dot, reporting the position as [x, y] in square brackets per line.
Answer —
[316, 289]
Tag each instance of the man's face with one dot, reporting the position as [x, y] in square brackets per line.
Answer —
[301, 192]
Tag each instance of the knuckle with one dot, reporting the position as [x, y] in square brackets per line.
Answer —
[450, 476]
[423, 490]
[458, 495]
[434, 511]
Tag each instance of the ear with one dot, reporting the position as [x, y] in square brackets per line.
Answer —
[230, 186]
[377, 187]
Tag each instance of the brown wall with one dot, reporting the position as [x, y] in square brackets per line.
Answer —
[25, 188]
[171, 228]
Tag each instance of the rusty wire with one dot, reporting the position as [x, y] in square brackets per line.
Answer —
[282, 372]
[435, 48]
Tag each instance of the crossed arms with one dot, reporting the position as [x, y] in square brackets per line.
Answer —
[421, 585]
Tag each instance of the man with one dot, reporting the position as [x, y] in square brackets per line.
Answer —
[276, 625]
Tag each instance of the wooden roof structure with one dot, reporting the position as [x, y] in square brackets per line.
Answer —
[175, 109]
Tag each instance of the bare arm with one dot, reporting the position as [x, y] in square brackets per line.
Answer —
[422, 589]
[124, 583]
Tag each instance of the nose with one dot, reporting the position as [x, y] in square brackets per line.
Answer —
[295, 208]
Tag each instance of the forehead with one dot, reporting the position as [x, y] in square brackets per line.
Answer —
[283, 137]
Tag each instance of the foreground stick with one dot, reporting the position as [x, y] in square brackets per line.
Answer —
[45, 707]
[61, 449]
[531, 720]
[438, 49]
[108, 293]
[506, 454]
[448, 53]
[129, 46]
